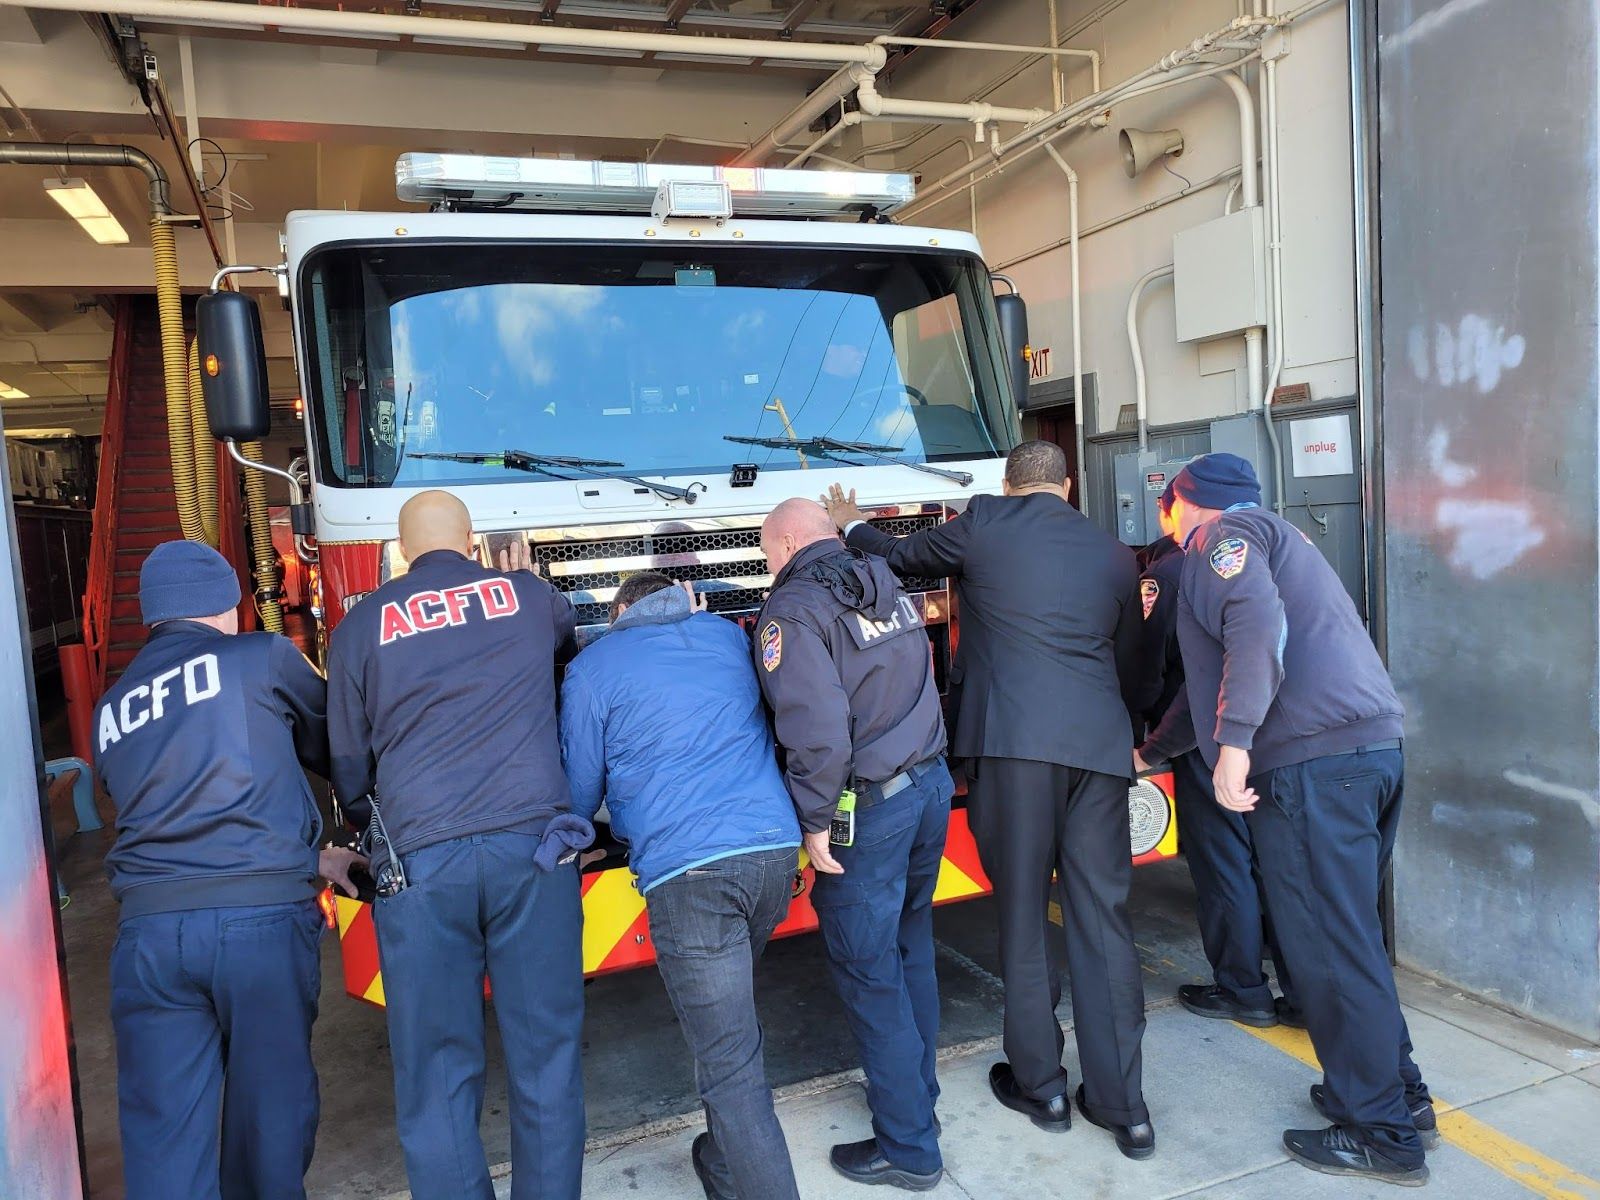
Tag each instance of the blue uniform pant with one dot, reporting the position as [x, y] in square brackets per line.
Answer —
[1324, 831]
[477, 905]
[212, 1010]
[1229, 902]
[709, 926]
[877, 928]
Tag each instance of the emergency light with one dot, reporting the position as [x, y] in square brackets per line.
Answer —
[687, 192]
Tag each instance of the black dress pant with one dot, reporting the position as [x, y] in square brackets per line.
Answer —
[1032, 820]
[1230, 903]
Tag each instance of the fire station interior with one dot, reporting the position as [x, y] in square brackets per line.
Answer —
[1197, 246]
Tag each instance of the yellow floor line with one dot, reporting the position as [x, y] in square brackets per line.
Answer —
[1517, 1161]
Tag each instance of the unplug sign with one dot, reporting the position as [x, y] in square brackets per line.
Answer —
[1322, 446]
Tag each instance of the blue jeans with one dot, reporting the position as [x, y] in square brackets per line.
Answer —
[877, 927]
[478, 905]
[1324, 831]
[709, 926]
[216, 1090]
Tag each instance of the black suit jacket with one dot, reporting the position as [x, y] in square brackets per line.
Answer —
[1049, 629]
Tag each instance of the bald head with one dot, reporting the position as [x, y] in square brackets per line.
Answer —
[791, 527]
[434, 520]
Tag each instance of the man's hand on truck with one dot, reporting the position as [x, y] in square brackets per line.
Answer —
[842, 508]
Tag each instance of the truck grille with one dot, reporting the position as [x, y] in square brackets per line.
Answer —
[724, 556]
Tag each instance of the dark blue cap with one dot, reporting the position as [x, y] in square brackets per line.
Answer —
[184, 579]
[1217, 481]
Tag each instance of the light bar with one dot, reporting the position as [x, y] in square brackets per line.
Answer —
[7, 392]
[564, 185]
[84, 206]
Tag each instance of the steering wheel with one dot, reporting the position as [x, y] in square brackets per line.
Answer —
[916, 395]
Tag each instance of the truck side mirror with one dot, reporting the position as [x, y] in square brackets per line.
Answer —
[233, 366]
[1013, 313]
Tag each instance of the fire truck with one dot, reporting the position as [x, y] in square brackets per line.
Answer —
[626, 366]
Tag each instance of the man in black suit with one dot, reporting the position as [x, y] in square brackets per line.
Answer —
[1050, 625]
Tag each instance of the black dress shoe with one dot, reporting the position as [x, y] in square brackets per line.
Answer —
[696, 1152]
[1422, 1116]
[1209, 1000]
[1135, 1141]
[1332, 1151]
[1288, 1014]
[864, 1162]
[1054, 1115]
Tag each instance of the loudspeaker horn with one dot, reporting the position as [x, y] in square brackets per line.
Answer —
[1143, 148]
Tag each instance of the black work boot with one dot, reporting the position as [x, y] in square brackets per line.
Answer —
[1333, 1151]
[1288, 1014]
[1135, 1141]
[1422, 1116]
[1053, 1115]
[697, 1151]
[863, 1162]
[1209, 1000]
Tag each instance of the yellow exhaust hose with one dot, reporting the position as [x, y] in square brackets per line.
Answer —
[205, 449]
[266, 558]
[180, 432]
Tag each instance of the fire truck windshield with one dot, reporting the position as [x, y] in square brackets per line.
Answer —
[646, 356]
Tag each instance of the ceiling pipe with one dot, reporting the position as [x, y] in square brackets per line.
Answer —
[1002, 47]
[830, 92]
[1174, 66]
[356, 24]
[848, 121]
[54, 154]
[875, 104]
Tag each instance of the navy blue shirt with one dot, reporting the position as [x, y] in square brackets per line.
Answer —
[200, 746]
[842, 655]
[441, 696]
[1276, 657]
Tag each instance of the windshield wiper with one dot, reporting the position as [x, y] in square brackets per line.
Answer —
[832, 448]
[539, 464]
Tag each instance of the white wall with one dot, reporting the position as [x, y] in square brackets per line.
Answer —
[1022, 213]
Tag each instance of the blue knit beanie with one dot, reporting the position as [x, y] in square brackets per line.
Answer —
[1218, 481]
[182, 579]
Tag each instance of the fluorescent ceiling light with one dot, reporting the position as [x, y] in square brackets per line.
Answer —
[7, 392]
[81, 203]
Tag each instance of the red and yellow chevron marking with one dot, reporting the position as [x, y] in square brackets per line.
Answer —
[616, 930]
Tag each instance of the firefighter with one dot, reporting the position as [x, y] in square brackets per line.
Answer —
[215, 971]
[1272, 646]
[1216, 843]
[842, 656]
[441, 704]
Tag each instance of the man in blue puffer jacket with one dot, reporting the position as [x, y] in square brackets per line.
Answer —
[662, 719]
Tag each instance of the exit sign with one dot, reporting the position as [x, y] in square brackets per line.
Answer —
[1039, 365]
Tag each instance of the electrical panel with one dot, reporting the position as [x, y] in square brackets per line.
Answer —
[1219, 278]
[1140, 477]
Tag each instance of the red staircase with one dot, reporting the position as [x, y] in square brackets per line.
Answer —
[134, 505]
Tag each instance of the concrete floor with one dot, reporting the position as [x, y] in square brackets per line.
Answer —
[1219, 1094]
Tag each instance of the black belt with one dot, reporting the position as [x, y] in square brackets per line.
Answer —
[872, 793]
[1374, 747]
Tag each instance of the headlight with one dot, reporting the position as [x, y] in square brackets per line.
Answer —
[1149, 814]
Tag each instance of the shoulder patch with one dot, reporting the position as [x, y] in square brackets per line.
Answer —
[1150, 591]
[771, 646]
[1228, 556]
